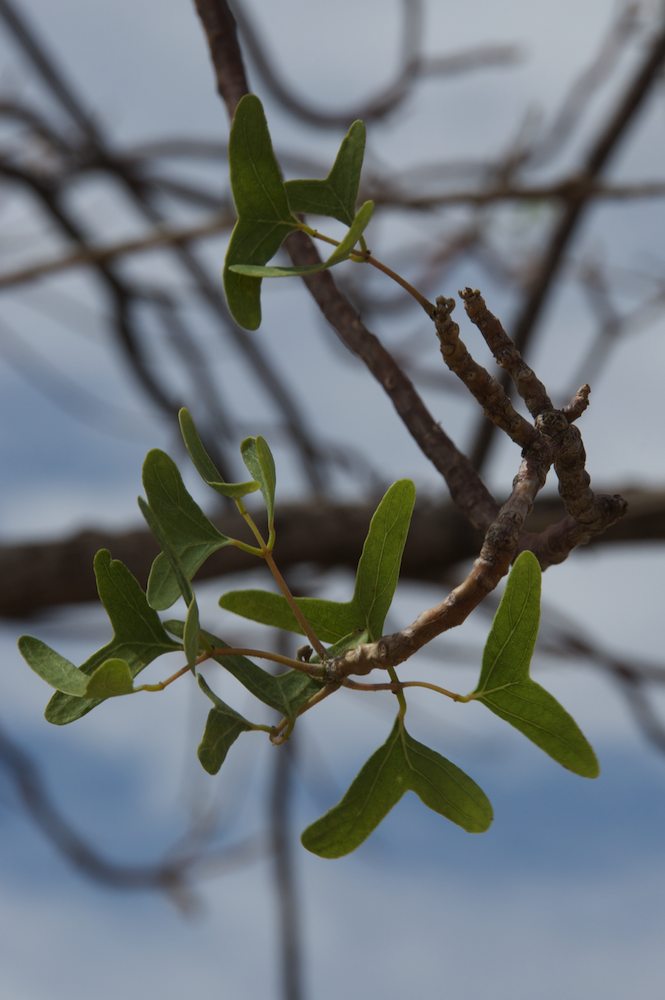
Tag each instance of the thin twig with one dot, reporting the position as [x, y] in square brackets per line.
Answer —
[623, 114]
[93, 255]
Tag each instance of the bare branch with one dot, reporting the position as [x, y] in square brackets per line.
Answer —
[93, 255]
[623, 115]
[505, 353]
[485, 389]
[562, 191]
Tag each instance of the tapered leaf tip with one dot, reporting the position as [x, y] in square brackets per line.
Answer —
[102, 557]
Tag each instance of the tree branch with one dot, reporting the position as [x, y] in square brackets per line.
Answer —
[38, 575]
[623, 115]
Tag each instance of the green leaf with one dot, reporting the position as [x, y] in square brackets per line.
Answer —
[331, 620]
[138, 635]
[113, 678]
[376, 580]
[357, 228]
[400, 765]
[223, 727]
[52, 668]
[258, 458]
[189, 533]
[381, 559]
[264, 216]
[205, 466]
[339, 254]
[337, 194]
[168, 554]
[256, 179]
[191, 633]
[251, 243]
[505, 686]
[284, 692]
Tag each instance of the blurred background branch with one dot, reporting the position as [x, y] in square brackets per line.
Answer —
[514, 217]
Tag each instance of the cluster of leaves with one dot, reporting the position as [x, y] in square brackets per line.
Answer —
[267, 208]
[187, 538]
[267, 213]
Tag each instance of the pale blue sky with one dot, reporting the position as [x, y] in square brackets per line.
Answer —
[565, 896]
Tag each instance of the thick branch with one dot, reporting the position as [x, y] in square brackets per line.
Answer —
[38, 575]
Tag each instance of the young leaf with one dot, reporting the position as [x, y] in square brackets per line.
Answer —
[376, 580]
[400, 765]
[340, 253]
[223, 727]
[264, 216]
[505, 686]
[337, 194]
[356, 229]
[111, 679]
[52, 668]
[205, 466]
[284, 692]
[186, 529]
[138, 635]
[258, 458]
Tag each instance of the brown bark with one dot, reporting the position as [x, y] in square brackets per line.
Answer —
[37, 575]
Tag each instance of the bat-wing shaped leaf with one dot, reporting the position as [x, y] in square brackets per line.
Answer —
[505, 685]
[400, 765]
[138, 635]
